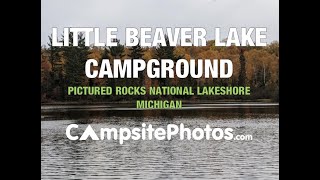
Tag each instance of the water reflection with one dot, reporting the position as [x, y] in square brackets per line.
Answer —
[152, 159]
[125, 110]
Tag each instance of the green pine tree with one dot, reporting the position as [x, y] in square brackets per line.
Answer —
[136, 52]
[166, 52]
[75, 61]
[56, 75]
[117, 52]
[106, 53]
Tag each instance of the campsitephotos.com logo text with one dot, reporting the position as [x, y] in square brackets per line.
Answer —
[148, 133]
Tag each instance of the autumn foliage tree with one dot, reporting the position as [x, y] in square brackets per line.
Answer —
[242, 73]
[257, 67]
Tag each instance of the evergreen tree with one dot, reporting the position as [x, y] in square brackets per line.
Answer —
[117, 52]
[166, 52]
[111, 81]
[75, 61]
[136, 52]
[55, 76]
[106, 53]
[54, 52]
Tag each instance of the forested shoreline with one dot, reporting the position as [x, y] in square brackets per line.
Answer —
[257, 67]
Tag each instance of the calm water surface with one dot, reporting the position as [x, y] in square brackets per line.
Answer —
[153, 159]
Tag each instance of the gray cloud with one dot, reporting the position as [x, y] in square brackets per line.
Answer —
[165, 13]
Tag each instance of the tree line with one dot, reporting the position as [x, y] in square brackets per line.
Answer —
[257, 67]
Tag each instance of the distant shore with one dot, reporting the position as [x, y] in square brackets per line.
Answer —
[133, 102]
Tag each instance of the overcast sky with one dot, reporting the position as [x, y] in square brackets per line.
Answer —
[160, 13]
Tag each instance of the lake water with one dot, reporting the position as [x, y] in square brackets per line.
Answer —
[62, 158]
